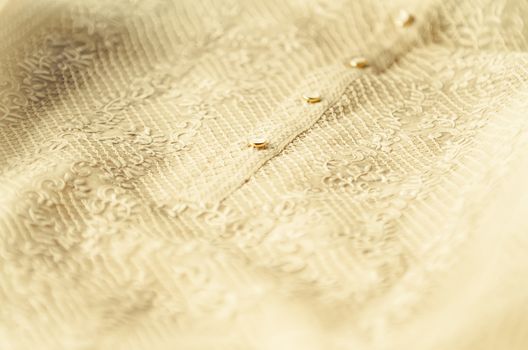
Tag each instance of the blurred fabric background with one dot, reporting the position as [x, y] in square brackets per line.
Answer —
[263, 174]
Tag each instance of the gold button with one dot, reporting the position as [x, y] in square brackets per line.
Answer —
[312, 97]
[258, 142]
[404, 19]
[358, 62]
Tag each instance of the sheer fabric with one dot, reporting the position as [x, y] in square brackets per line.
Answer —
[389, 215]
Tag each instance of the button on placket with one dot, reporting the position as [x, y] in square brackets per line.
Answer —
[404, 19]
[358, 62]
[312, 97]
[258, 142]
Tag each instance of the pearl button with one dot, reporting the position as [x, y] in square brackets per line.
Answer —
[258, 142]
[358, 62]
[312, 97]
[404, 19]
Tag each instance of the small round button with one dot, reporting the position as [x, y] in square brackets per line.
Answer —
[404, 19]
[258, 142]
[312, 97]
[358, 62]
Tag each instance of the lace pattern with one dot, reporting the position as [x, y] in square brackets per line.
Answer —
[134, 215]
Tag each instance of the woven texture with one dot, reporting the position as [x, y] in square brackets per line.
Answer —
[390, 215]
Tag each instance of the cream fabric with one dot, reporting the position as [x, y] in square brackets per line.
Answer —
[391, 215]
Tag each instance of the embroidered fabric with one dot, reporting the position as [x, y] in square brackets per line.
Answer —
[390, 215]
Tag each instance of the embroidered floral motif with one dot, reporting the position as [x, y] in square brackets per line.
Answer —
[119, 120]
